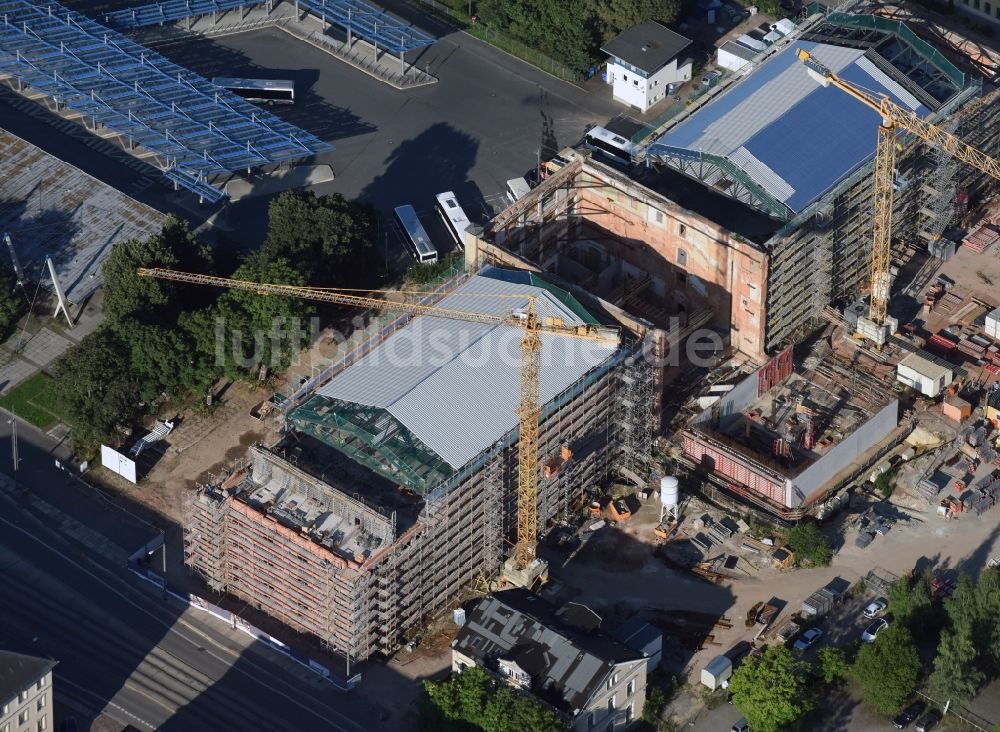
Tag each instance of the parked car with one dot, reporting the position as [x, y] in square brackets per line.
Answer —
[872, 631]
[929, 721]
[908, 715]
[875, 608]
[808, 639]
[741, 725]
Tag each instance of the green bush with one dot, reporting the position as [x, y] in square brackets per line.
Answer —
[809, 545]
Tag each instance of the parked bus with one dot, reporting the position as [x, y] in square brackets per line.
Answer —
[610, 145]
[517, 188]
[454, 217]
[419, 242]
[271, 91]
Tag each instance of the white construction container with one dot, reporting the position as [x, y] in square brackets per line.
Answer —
[926, 376]
[993, 324]
[719, 669]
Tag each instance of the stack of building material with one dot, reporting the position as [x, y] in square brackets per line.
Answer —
[949, 301]
[940, 344]
[927, 489]
[979, 501]
[971, 348]
[981, 238]
[987, 454]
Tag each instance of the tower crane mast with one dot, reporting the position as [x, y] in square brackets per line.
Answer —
[893, 116]
[530, 407]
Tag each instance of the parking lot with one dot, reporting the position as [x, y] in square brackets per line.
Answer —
[489, 118]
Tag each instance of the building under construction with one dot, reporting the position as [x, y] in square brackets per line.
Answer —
[753, 211]
[393, 489]
[784, 440]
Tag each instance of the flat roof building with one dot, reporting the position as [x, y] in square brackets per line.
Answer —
[645, 62]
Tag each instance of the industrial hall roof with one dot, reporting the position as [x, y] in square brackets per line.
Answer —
[648, 46]
[793, 137]
[439, 391]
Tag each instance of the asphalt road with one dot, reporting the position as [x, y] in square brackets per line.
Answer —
[121, 649]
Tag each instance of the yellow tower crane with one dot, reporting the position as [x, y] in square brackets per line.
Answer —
[893, 117]
[530, 407]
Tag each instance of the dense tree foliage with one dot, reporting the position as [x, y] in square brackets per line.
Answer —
[328, 238]
[911, 603]
[888, 669]
[12, 302]
[572, 31]
[809, 545]
[771, 690]
[614, 16]
[96, 389]
[969, 649]
[165, 340]
[833, 663]
[471, 701]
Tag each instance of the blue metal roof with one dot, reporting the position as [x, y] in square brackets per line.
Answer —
[792, 136]
[361, 19]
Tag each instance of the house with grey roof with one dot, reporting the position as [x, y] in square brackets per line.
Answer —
[25, 692]
[645, 62]
[595, 681]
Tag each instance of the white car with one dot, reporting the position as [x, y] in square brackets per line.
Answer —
[875, 608]
[808, 639]
[872, 631]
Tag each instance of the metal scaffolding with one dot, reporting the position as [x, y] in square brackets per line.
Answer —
[170, 11]
[191, 128]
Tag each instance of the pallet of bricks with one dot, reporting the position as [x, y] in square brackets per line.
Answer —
[984, 496]
[987, 454]
[981, 238]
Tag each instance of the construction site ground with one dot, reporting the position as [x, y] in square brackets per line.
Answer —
[625, 570]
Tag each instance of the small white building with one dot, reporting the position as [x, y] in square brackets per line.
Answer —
[993, 324]
[734, 56]
[928, 377]
[644, 61]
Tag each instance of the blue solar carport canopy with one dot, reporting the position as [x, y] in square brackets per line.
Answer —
[361, 19]
[794, 137]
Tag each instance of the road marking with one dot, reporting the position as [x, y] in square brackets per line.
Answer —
[172, 629]
[63, 680]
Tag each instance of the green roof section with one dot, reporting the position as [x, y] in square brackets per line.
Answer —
[374, 438]
[535, 280]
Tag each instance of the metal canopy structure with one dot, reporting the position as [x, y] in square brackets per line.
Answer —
[358, 19]
[172, 10]
[192, 128]
[368, 22]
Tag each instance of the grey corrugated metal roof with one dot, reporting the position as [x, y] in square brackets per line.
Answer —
[19, 671]
[456, 385]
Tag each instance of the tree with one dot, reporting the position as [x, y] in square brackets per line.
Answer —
[833, 663]
[96, 388]
[561, 29]
[809, 544]
[652, 709]
[470, 701]
[614, 16]
[975, 606]
[885, 483]
[955, 674]
[328, 239]
[888, 669]
[911, 603]
[12, 302]
[262, 330]
[771, 690]
[149, 300]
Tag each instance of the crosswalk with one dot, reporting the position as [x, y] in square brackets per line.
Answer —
[146, 174]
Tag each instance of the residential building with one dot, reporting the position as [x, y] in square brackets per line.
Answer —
[597, 682]
[643, 637]
[25, 693]
[986, 12]
[644, 61]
